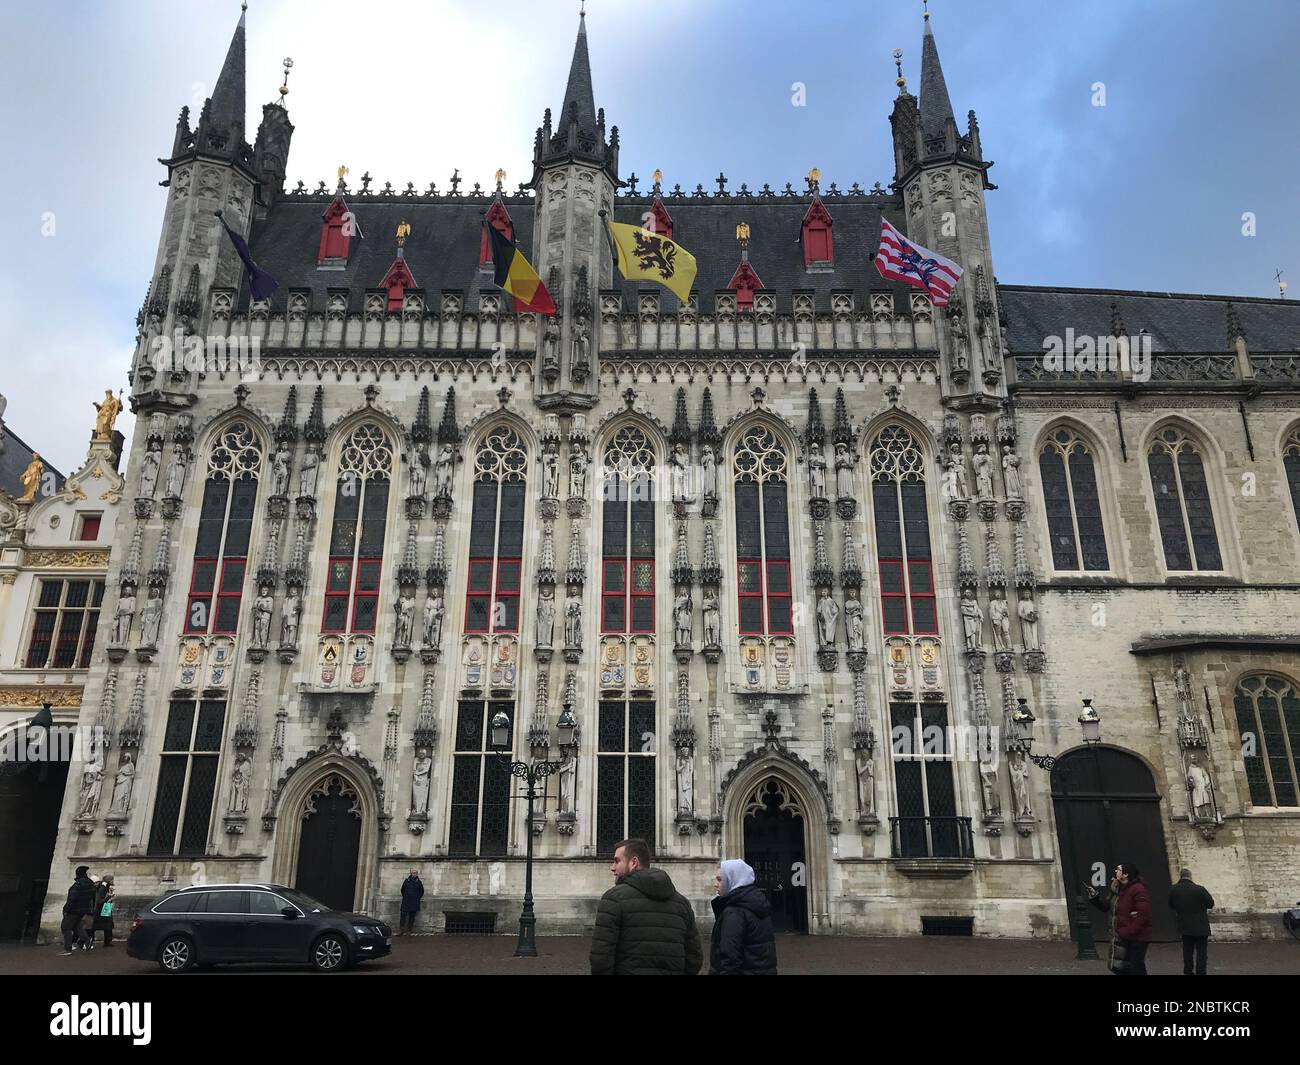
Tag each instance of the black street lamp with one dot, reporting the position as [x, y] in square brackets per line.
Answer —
[530, 773]
[1090, 721]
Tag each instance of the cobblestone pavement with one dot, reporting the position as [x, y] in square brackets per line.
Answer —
[798, 955]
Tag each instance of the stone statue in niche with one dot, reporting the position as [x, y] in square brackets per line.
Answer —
[404, 608]
[712, 620]
[550, 470]
[307, 472]
[573, 624]
[1000, 620]
[1028, 620]
[1200, 790]
[122, 785]
[122, 618]
[855, 627]
[1011, 473]
[983, 465]
[433, 612]
[828, 617]
[91, 775]
[568, 778]
[709, 470]
[280, 471]
[685, 782]
[682, 619]
[262, 607]
[551, 347]
[1018, 767]
[176, 472]
[972, 620]
[581, 348]
[421, 776]
[290, 616]
[418, 471]
[961, 484]
[443, 470]
[240, 778]
[948, 486]
[989, 787]
[681, 474]
[817, 471]
[545, 620]
[151, 619]
[864, 764]
[577, 472]
[961, 345]
[843, 472]
[149, 469]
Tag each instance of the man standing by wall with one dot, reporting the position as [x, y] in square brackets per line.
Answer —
[1191, 904]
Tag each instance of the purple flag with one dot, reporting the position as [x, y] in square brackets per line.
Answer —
[260, 283]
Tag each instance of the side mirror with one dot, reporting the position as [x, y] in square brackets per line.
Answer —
[289, 911]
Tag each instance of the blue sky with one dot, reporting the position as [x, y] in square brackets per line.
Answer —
[1147, 192]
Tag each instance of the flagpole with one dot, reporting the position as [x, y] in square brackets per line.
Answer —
[609, 239]
[244, 279]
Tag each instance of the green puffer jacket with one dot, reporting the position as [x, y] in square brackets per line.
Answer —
[645, 928]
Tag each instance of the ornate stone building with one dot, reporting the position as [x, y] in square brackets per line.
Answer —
[808, 559]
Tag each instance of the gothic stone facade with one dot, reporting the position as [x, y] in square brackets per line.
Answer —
[758, 542]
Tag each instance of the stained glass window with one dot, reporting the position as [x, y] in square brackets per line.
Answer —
[1072, 503]
[356, 555]
[63, 624]
[1268, 723]
[900, 508]
[625, 774]
[1184, 513]
[480, 785]
[496, 542]
[627, 591]
[187, 777]
[762, 534]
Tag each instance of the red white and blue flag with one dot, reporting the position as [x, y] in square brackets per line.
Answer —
[899, 259]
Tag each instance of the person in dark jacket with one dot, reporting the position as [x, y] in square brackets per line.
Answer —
[101, 921]
[1130, 904]
[1191, 904]
[81, 900]
[644, 927]
[743, 942]
[412, 893]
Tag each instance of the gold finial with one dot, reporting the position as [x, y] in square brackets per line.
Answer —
[814, 176]
[1281, 285]
[898, 62]
[925, 4]
[501, 177]
[343, 172]
[288, 66]
[657, 177]
[403, 231]
[742, 234]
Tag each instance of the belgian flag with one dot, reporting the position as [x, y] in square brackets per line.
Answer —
[515, 275]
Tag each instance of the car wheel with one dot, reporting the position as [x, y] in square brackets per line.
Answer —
[176, 955]
[329, 953]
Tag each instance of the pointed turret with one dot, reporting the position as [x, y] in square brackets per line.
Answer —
[271, 150]
[221, 127]
[579, 128]
[936, 108]
[579, 97]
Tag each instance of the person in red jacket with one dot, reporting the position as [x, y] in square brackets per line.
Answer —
[1131, 916]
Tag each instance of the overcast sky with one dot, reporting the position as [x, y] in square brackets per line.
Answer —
[1199, 126]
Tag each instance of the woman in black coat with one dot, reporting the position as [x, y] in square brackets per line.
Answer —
[743, 942]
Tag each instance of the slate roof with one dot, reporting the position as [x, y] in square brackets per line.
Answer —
[443, 248]
[1177, 322]
[14, 459]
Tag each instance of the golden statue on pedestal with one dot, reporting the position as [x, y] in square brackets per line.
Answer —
[106, 415]
[31, 478]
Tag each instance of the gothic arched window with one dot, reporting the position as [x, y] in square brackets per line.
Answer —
[1291, 463]
[762, 534]
[898, 499]
[1268, 720]
[496, 536]
[225, 526]
[1182, 498]
[357, 535]
[1072, 503]
[627, 569]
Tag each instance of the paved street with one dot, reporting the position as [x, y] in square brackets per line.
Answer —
[807, 955]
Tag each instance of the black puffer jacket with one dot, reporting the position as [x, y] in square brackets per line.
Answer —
[645, 928]
[81, 897]
[743, 942]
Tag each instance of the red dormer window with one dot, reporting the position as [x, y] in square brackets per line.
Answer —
[499, 218]
[816, 236]
[658, 220]
[744, 283]
[336, 233]
[398, 279]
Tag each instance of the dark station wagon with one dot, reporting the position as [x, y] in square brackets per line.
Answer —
[215, 924]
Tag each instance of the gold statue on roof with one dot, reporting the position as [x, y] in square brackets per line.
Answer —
[31, 478]
[106, 415]
[403, 231]
[742, 233]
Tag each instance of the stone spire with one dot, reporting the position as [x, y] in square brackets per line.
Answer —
[225, 110]
[448, 430]
[578, 131]
[681, 431]
[579, 97]
[422, 430]
[314, 433]
[287, 431]
[936, 108]
[815, 433]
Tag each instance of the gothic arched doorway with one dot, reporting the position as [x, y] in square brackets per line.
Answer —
[329, 848]
[776, 849]
[1108, 811]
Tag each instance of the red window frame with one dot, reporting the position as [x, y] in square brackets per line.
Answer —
[213, 597]
[221, 597]
[89, 527]
[770, 596]
[199, 595]
[628, 597]
[913, 596]
[757, 563]
[909, 596]
[358, 594]
[495, 593]
[345, 595]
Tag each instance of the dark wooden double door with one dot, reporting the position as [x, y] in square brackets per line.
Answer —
[330, 846]
[775, 848]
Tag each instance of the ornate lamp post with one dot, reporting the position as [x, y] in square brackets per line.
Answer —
[1090, 722]
[530, 773]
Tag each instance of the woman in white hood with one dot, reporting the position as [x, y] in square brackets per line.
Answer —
[743, 942]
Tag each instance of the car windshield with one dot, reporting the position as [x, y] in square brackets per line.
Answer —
[304, 902]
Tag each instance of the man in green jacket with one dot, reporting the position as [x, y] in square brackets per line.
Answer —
[643, 926]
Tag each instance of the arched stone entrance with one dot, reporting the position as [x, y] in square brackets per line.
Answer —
[773, 805]
[327, 838]
[1108, 811]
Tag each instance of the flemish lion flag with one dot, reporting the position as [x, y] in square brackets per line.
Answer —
[514, 274]
[643, 255]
